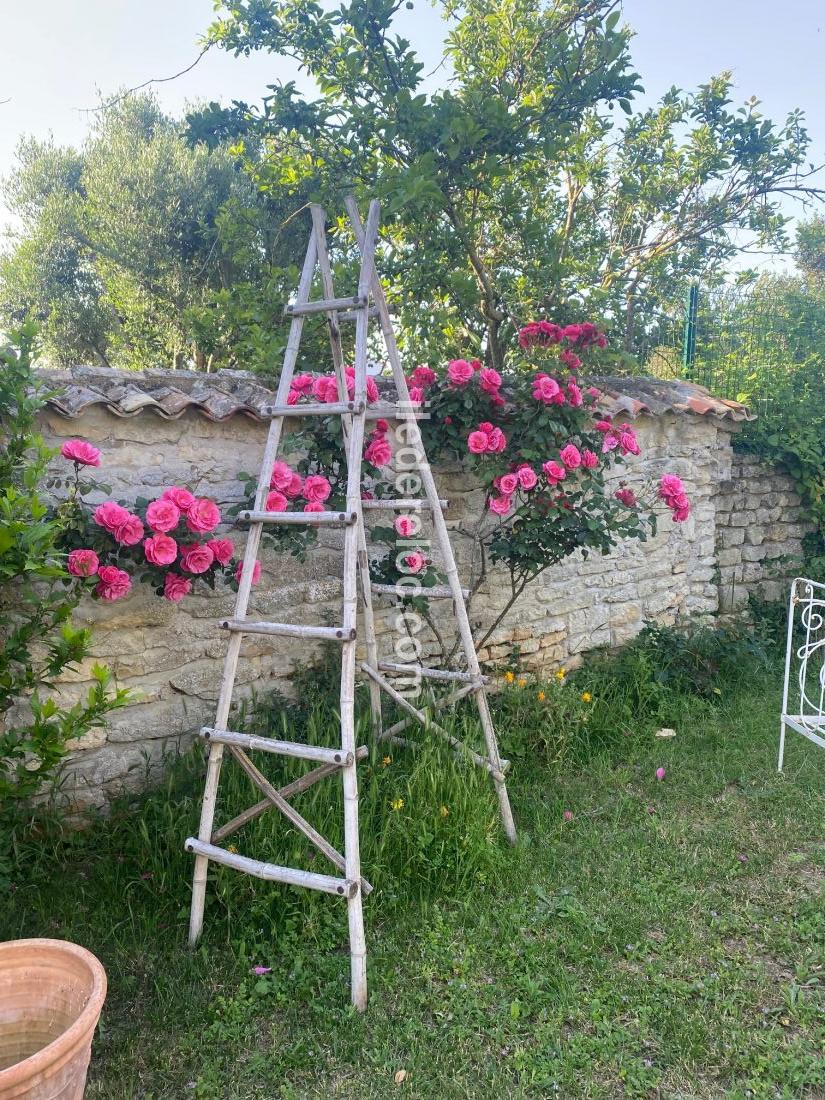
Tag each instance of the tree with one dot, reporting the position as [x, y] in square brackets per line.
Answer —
[513, 191]
[142, 249]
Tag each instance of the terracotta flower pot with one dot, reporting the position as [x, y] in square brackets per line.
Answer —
[51, 994]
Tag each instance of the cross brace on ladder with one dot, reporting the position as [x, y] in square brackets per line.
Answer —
[369, 301]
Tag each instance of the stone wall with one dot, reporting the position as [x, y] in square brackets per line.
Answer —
[170, 655]
[759, 531]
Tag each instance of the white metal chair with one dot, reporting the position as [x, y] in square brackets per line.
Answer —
[803, 697]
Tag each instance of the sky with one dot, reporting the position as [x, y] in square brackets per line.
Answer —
[58, 56]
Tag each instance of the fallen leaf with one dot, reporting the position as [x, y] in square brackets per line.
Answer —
[665, 733]
[400, 1076]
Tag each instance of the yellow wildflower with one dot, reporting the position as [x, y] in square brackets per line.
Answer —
[586, 697]
[386, 761]
[541, 696]
[444, 811]
[231, 848]
[509, 677]
[561, 673]
[522, 683]
[397, 804]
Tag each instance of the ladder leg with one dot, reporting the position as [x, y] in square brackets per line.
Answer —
[355, 446]
[439, 525]
[319, 232]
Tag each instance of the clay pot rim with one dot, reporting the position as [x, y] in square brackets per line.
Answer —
[61, 1048]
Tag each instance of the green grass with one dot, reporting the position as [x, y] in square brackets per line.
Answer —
[669, 941]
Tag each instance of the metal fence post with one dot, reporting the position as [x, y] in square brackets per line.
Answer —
[689, 341]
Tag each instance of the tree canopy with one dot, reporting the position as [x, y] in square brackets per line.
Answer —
[527, 185]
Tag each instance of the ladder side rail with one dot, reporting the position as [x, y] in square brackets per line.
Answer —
[358, 951]
[230, 666]
[439, 524]
[319, 223]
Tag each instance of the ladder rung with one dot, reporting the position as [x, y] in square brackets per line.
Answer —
[309, 519]
[433, 673]
[332, 408]
[403, 504]
[281, 748]
[438, 591]
[351, 316]
[326, 305]
[289, 630]
[272, 872]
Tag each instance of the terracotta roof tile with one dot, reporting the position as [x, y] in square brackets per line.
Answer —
[226, 393]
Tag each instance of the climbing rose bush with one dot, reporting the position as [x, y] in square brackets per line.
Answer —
[169, 543]
[534, 436]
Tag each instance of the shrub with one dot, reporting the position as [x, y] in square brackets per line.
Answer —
[37, 596]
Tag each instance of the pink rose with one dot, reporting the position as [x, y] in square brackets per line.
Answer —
[314, 506]
[175, 587]
[590, 460]
[489, 380]
[276, 502]
[477, 442]
[160, 549]
[670, 485]
[414, 562]
[325, 389]
[223, 549]
[407, 526]
[130, 532]
[110, 515]
[501, 505]
[112, 583]
[379, 452]
[546, 389]
[203, 515]
[416, 395]
[293, 397]
[181, 498]
[302, 383]
[281, 476]
[372, 391]
[507, 484]
[81, 452]
[570, 359]
[574, 395]
[256, 572]
[571, 456]
[82, 563]
[626, 496]
[459, 372]
[294, 488]
[591, 391]
[554, 472]
[603, 425]
[496, 441]
[162, 515]
[316, 488]
[527, 477]
[381, 427]
[628, 442]
[542, 333]
[423, 376]
[196, 558]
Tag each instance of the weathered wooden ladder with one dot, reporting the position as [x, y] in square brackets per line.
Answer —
[368, 302]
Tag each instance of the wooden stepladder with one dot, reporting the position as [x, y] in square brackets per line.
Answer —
[369, 301]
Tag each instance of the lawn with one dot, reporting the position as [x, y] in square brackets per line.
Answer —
[668, 941]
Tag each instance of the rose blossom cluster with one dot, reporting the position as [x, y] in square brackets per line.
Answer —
[414, 562]
[550, 391]
[167, 537]
[324, 388]
[287, 485]
[545, 334]
[672, 492]
[620, 436]
[486, 439]
[378, 451]
[460, 373]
